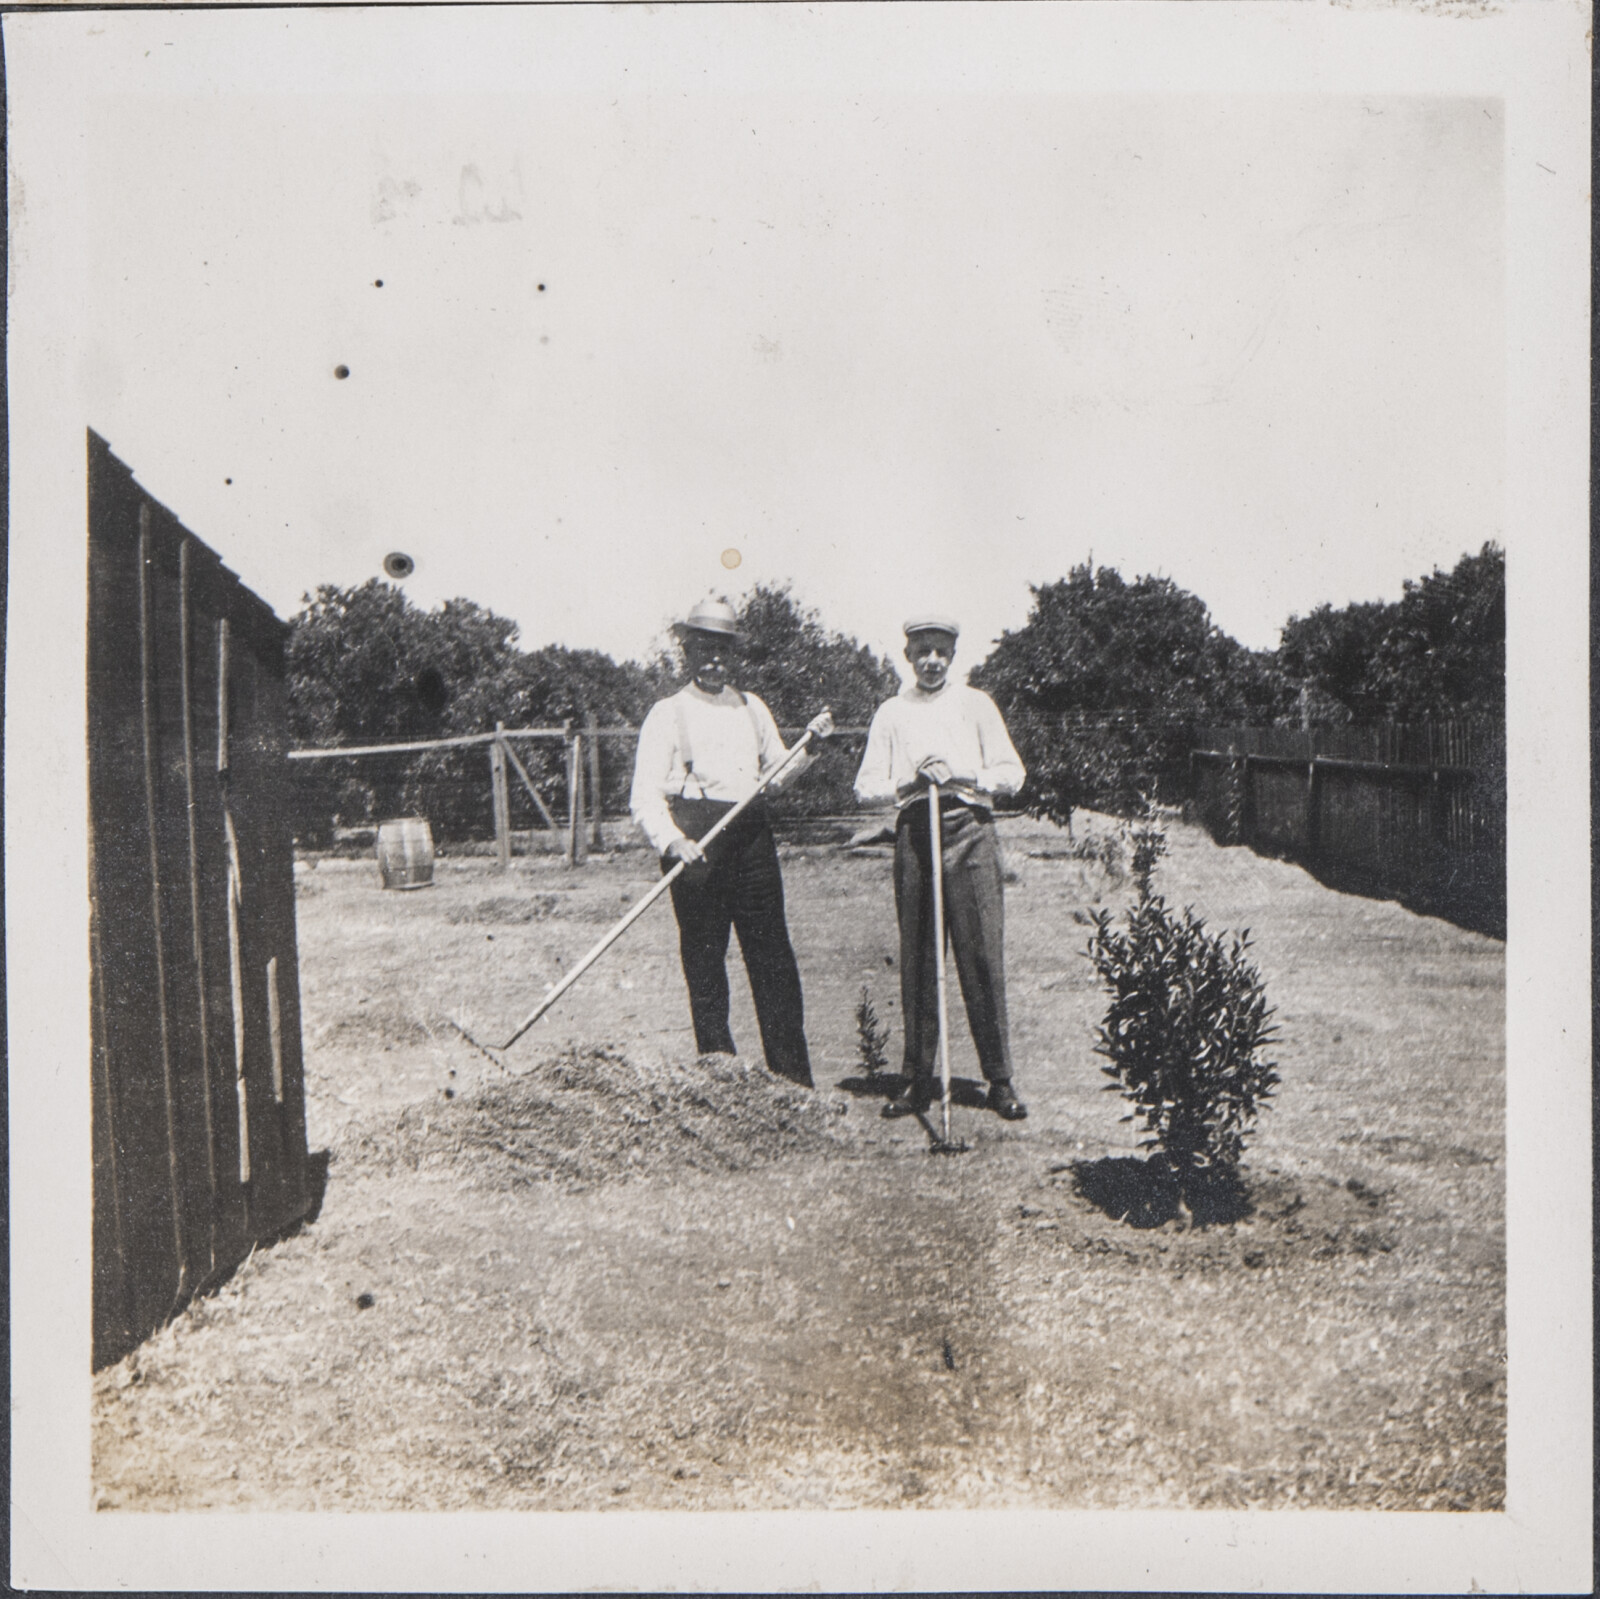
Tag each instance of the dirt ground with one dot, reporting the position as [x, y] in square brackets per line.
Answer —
[604, 1273]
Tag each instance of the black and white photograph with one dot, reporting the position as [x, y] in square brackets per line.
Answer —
[772, 761]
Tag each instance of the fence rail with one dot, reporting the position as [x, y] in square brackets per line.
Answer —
[572, 778]
[1415, 811]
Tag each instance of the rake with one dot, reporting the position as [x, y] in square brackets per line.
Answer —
[633, 915]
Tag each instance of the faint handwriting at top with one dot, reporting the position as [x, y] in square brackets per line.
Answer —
[471, 205]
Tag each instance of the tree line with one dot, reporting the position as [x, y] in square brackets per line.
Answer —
[1104, 686]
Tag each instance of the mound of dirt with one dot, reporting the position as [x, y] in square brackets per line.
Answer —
[595, 1115]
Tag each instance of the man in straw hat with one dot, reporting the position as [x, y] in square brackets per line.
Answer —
[938, 732]
[701, 751]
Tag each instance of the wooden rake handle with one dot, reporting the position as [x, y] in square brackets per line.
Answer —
[655, 893]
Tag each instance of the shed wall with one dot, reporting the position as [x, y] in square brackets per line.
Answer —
[199, 1116]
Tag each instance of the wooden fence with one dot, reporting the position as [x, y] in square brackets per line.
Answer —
[594, 761]
[1413, 811]
[199, 1123]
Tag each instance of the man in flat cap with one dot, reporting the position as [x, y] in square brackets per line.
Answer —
[701, 751]
[938, 732]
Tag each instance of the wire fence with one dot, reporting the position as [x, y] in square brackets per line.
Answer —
[1413, 810]
[453, 784]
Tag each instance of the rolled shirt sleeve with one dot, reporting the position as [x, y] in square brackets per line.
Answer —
[770, 747]
[1002, 771]
[875, 782]
[655, 766]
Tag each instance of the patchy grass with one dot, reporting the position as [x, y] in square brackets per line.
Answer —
[599, 1272]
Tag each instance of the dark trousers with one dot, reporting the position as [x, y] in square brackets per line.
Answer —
[740, 887]
[974, 919]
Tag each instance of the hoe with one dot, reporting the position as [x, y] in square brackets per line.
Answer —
[942, 1143]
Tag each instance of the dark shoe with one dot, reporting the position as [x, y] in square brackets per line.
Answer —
[912, 1100]
[1003, 1101]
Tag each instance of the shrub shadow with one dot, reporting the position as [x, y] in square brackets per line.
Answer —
[1143, 1193]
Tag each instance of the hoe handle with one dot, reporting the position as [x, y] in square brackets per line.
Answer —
[936, 851]
[649, 899]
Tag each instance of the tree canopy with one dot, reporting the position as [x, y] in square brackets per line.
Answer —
[1437, 651]
[1105, 681]
[1103, 687]
[366, 666]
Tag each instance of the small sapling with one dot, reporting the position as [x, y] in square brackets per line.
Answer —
[1185, 1030]
[871, 1035]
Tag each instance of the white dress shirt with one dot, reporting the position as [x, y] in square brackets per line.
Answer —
[960, 725]
[733, 743]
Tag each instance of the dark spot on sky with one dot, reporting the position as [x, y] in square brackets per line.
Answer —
[377, 283]
[227, 480]
[341, 371]
[541, 288]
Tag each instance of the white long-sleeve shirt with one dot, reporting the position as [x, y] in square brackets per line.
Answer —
[960, 725]
[702, 746]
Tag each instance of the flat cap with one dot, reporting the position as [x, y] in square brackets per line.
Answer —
[931, 624]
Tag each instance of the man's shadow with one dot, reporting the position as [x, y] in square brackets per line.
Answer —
[964, 1091]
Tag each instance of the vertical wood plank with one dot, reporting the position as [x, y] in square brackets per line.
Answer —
[197, 924]
[241, 1089]
[152, 814]
[275, 1028]
[114, 1311]
[222, 695]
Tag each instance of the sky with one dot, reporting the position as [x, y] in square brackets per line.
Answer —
[904, 350]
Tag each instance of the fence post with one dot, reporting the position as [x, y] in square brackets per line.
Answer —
[575, 838]
[501, 796]
[597, 837]
[1313, 808]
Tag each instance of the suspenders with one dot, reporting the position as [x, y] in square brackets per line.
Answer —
[686, 748]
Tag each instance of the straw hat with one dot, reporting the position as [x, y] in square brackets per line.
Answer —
[715, 617]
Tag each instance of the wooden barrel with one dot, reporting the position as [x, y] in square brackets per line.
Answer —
[405, 853]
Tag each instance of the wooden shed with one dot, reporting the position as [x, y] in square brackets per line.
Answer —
[198, 1098]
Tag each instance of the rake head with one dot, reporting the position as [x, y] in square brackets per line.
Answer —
[486, 1050]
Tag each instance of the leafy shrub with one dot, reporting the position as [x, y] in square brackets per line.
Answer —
[1185, 1029]
[1100, 849]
